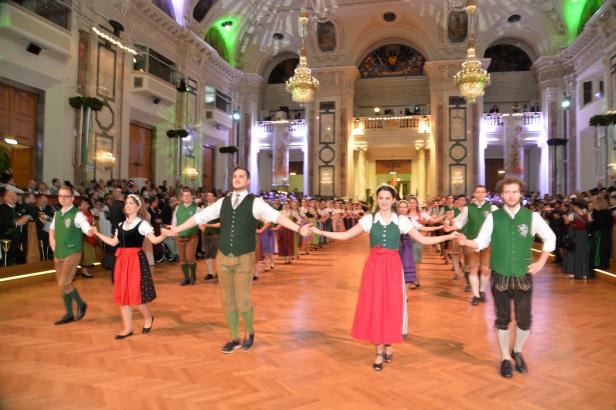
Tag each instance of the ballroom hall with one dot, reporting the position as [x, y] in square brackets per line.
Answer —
[307, 204]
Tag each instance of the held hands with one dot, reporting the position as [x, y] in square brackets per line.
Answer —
[305, 230]
[461, 238]
[202, 227]
[316, 231]
[170, 231]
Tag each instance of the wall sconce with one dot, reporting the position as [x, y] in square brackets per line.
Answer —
[191, 173]
[105, 158]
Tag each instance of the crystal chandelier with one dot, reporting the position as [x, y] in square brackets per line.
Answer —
[471, 80]
[302, 85]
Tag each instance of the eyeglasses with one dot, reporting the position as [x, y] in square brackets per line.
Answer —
[65, 196]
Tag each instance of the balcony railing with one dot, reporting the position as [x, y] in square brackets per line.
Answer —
[55, 11]
[525, 119]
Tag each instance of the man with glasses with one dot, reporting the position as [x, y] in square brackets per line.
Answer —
[65, 238]
[10, 223]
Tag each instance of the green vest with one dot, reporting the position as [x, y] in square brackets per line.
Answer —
[237, 227]
[512, 240]
[182, 214]
[68, 237]
[388, 236]
[456, 212]
[476, 217]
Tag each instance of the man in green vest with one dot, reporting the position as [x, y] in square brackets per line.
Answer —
[510, 231]
[65, 239]
[188, 239]
[239, 214]
[455, 251]
[469, 221]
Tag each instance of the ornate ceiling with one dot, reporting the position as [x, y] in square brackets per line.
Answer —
[259, 32]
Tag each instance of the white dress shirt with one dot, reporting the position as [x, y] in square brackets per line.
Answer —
[80, 221]
[538, 227]
[461, 220]
[404, 224]
[260, 210]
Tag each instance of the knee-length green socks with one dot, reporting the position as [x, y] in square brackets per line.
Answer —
[233, 321]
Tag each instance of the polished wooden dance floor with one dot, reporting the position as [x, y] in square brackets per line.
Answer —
[304, 356]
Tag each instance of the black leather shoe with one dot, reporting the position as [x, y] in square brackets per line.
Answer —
[231, 346]
[378, 366]
[147, 329]
[248, 342]
[482, 297]
[81, 311]
[520, 363]
[209, 276]
[475, 301]
[255, 278]
[506, 371]
[185, 282]
[66, 319]
[120, 337]
[193, 279]
[467, 288]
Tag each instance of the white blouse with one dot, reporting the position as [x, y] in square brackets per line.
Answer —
[404, 224]
[144, 229]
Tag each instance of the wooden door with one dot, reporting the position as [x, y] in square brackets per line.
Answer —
[208, 168]
[140, 152]
[18, 115]
[493, 165]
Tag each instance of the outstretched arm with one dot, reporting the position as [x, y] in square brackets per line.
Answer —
[354, 231]
[303, 230]
[430, 240]
[107, 239]
[155, 239]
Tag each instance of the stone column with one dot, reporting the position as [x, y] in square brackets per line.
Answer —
[251, 89]
[421, 174]
[360, 174]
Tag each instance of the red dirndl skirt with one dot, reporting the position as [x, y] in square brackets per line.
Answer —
[132, 280]
[380, 316]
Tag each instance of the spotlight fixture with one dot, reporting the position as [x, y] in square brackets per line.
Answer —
[514, 18]
[34, 49]
[566, 103]
[117, 27]
[377, 110]
[11, 141]
[227, 25]
[236, 115]
[278, 36]
[389, 16]
[183, 87]
[156, 100]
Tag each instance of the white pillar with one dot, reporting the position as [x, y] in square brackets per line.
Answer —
[360, 174]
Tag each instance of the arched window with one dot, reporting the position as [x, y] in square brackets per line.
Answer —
[201, 9]
[392, 60]
[506, 57]
[283, 71]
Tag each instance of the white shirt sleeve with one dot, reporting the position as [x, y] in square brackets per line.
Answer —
[461, 220]
[404, 224]
[52, 225]
[82, 222]
[494, 208]
[541, 228]
[485, 233]
[209, 212]
[262, 211]
[145, 228]
[416, 223]
[366, 222]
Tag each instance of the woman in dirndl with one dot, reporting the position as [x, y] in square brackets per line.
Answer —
[380, 315]
[133, 285]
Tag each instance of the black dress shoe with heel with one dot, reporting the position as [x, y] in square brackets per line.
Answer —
[388, 357]
[520, 363]
[506, 370]
[378, 366]
[81, 311]
[120, 337]
[475, 301]
[482, 297]
[147, 330]
[66, 319]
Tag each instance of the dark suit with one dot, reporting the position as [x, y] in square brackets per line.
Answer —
[10, 231]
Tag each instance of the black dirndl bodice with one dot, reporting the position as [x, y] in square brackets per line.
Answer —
[130, 238]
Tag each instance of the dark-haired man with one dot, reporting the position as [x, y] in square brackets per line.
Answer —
[239, 214]
[510, 232]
